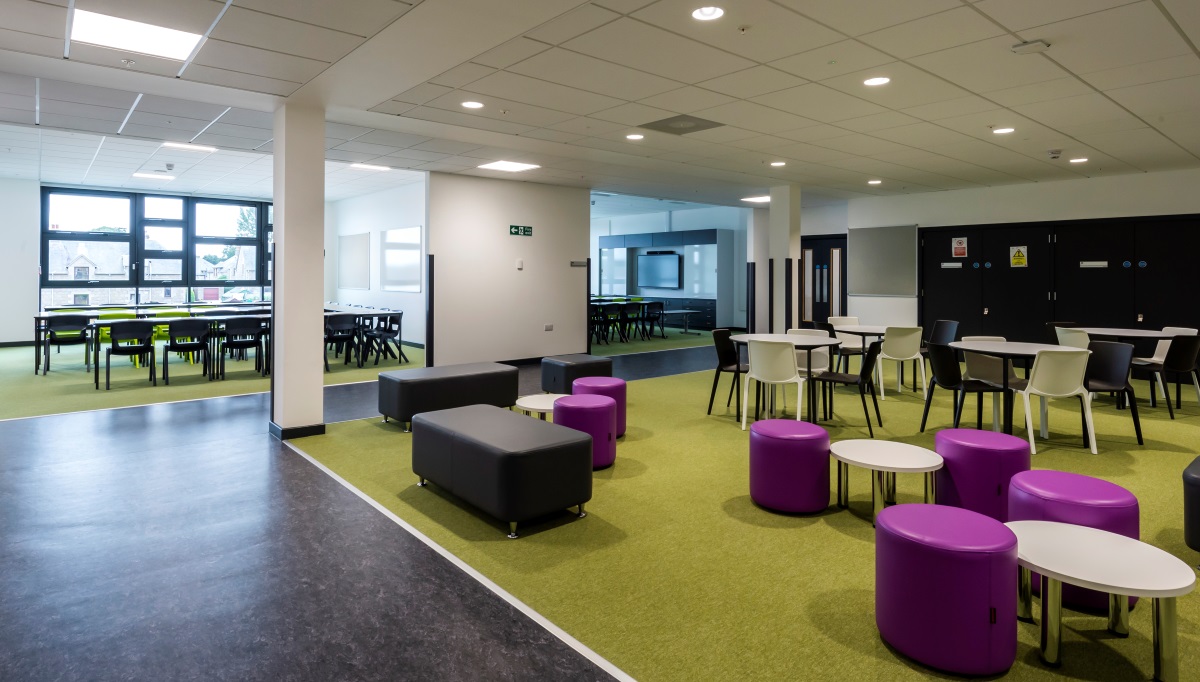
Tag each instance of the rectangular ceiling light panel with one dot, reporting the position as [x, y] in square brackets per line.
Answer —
[510, 166]
[132, 36]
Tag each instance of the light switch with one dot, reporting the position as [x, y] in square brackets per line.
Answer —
[520, 264]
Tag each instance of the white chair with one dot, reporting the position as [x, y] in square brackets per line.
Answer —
[1160, 355]
[1072, 338]
[820, 356]
[990, 369]
[772, 363]
[901, 344]
[851, 344]
[1058, 374]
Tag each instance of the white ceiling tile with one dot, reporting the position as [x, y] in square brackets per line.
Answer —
[466, 120]
[507, 54]
[367, 18]
[757, 80]
[632, 114]
[518, 88]
[811, 152]
[1131, 34]
[573, 23]
[394, 107]
[771, 32]
[86, 94]
[500, 109]
[990, 65]
[252, 119]
[177, 123]
[269, 32]
[23, 116]
[393, 139]
[819, 103]
[169, 106]
[639, 45]
[462, 75]
[365, 148]
[586, 126]
[35, 18]
[1186, 13]
[552, 135]
[1040, 92]
[922, 135]
[877, 122]
[839, 58]
[53, 106]
[756, 117]
[342, 131]
[157, 132]
[247, 59]
[577, 70]
[910, 86]
[950, 108]
[723, 134]
[1146, 149]
[623, 6]
[1140, 74]
[814, 133]
[446, 147]
[1090, 113]
[686, 100]
[103, 56]
[242, 81]
[30, 43]
[860, 145]
[1163, 97]
[423, 93]
[1018, 15]
[216, 139]
[935, 32]
[854, 17]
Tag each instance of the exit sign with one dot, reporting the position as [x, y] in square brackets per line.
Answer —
[520, 230]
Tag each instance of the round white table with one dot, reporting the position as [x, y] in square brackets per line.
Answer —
[538, 402]
[1104, 561]
[885, 459]
[1006, 351]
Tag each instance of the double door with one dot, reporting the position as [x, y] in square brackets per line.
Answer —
[995, 281]
[822, 279]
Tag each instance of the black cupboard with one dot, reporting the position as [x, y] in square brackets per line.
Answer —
[1010, 279]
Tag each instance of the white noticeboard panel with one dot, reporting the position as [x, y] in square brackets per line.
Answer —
[354, 261]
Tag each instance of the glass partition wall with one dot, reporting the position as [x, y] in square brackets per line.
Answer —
[123, 248]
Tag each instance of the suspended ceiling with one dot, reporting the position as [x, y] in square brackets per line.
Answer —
[564, 81]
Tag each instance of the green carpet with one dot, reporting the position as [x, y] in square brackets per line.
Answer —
[676, 575]
[69, 388]
[675, 339]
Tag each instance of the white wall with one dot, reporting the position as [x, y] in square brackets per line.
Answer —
[402, 206]
[487, 309]
[827, 219]
[22, 204]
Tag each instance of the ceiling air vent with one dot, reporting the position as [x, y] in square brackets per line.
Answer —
[681, 125]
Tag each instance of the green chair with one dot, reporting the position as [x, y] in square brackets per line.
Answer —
[103, 336]
[161, 332]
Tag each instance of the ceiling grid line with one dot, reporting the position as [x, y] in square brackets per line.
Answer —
[203, 39]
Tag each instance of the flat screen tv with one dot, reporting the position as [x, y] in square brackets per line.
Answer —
[660, 271]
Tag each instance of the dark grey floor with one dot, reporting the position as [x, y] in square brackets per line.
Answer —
[180, 541]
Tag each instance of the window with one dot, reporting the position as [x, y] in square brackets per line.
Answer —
[400, 267]
[121, 248]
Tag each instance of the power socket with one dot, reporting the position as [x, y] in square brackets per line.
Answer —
[549, 327]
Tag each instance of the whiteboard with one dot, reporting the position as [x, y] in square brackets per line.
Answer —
[354, 261]
[882, 261]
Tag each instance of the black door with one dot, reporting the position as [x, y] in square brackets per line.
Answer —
[1163, 268]
[822, 290]
[1093, 274]
[951, 284]
[1016, 282]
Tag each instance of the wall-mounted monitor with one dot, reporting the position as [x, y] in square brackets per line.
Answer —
[660, 271]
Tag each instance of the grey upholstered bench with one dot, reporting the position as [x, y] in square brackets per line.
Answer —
[510, 466]
[560, 371]
[404, 393]
[1191, 505]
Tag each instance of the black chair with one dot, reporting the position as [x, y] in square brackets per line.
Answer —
[138, 339]
[598, 323]
[943, 361]
[187, 335]
[943, 332]
[380, 339]
[67, 330]
[243, 333]
[843, 353]
[652, 314]
[1180, 359]
[341, 332]
[727, 361]
[630, 321]
[1108, 372]
[864, 380]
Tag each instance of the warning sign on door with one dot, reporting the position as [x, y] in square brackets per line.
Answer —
[959, 247]
[1018, 256]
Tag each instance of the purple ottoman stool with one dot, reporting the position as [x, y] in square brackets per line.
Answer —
[1045, 495]
[609, 386]
[944, 589]
[976, 468]
[595, 415]
[789, 465]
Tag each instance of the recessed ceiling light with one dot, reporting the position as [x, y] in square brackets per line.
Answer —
[190, 147]
[370, 167]
[132, 36]
[708, 13]
[757, 200]
[510, 166]
[473, 105]
[881, 80]
[778, 163]
[874, 182]
[154, 176]
[1083, 160]
[634, 136]
[1002, 131]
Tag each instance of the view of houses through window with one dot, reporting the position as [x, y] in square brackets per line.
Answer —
[123, 248]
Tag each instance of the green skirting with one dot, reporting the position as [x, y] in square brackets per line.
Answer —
[676, 575]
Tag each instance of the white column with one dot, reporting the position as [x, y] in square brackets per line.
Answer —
[784, 223]
[297, 398]
[757, 252]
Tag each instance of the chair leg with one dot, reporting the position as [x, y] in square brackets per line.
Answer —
[746, 402]
[1029, 424]
[166, 372]
[153, 367]
[1090, 430]
[862, 395]
[879, 378]
[729, 398]
[1196, 383]
[997, 398]
[799, 399]
[979, 410]
[925, 415]
[960, 399]
[1166, 396]
[1131, 400]
[1044, 415]
[108, 369]
[713, 394]
[922, 367]
[737, 392]
[876, 403]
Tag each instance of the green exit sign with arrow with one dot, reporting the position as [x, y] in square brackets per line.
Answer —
[520, 230]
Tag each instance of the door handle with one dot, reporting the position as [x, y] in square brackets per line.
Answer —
[985, 311]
